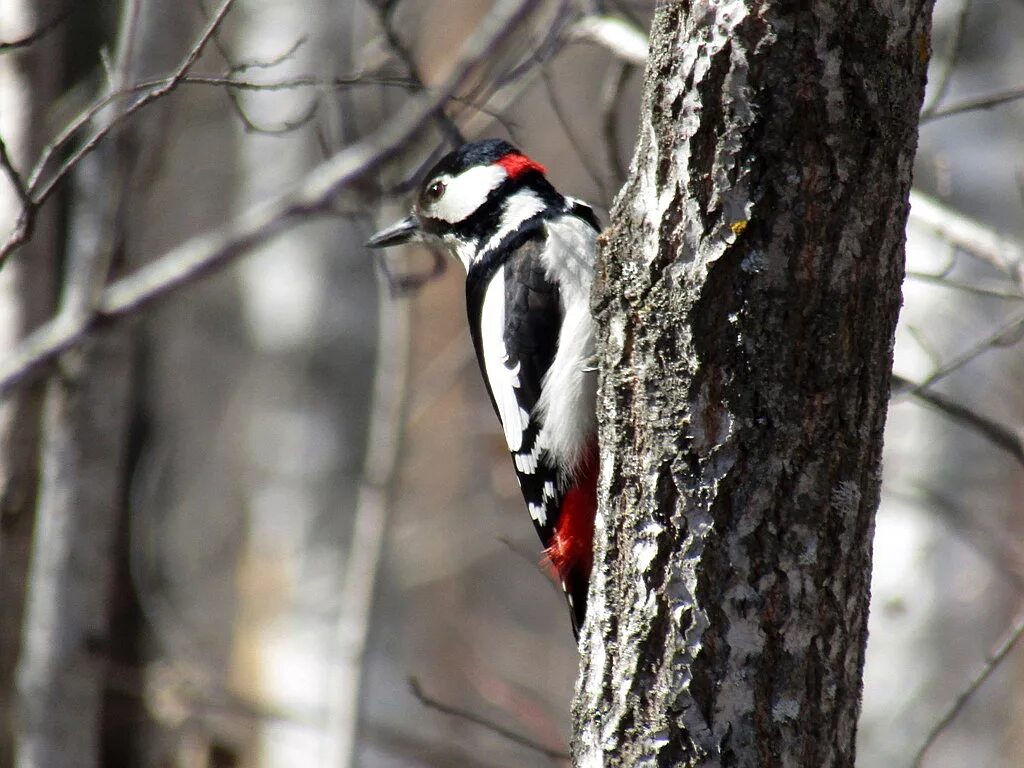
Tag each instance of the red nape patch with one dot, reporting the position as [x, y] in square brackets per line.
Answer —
[516, 165]
[572, 547]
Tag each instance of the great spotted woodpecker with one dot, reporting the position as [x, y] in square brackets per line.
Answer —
[529, 258]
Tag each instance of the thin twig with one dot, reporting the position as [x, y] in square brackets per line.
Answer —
[925, 344]
[199, 256]
[23, 229]
[976, 682]
[992, 544]
[312, 81]
[91, 257]
[386, 13]
[441, 373]
[41, 194]
[626, 41]
[997, 434]
[36, 34]
[12, 173]
[25, 222]
[976, 103]
[975, 290]
[549, 46]
[270, 63]
[951, 60]
[1004, 253]
[250, 124]
[995, 339]
[611, 94]
[483, 722]
[570, 133]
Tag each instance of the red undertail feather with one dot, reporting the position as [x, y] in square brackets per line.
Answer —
[571, 549]
[515, 165]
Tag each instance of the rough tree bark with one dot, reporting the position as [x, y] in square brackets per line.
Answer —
[747, 296]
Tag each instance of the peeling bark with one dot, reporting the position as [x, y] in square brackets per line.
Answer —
[747, 295]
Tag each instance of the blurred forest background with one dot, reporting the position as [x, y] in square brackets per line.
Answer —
[271, 522]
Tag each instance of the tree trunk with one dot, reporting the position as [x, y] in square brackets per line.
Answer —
[29, 78]
[747, 296]
[62, 671]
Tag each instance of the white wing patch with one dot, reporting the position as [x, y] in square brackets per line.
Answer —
[527, 462]
[503, 380]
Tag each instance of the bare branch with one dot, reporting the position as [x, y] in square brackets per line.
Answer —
[951, 61]
[472, 717]
[611, 95]
[438, 377]
[164, 85]
[570, 133]
[978, 102]
[976, 682]
[250, 124]
[385, 14]
[281, 58]
[550, 45]
[25, 222]
[1004, 335]
[975, 290]
[997, 434]
[1002, 252]
[12, 173]
[999, 550]
[313, 196]
[40, 192]
[624, 40]
[89, 265]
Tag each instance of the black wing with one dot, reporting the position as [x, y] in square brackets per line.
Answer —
[517, 297]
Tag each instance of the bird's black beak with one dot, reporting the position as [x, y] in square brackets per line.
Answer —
[400, 232]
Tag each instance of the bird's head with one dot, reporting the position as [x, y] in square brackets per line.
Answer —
[470, 197]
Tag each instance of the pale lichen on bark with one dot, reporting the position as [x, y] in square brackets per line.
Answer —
[747, 294]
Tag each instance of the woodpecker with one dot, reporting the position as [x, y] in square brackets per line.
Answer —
[529, 258]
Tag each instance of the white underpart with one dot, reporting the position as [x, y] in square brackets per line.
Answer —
[567, 401]
[503, 380]
[466, 192]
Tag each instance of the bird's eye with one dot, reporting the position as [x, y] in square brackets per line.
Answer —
[434, 192]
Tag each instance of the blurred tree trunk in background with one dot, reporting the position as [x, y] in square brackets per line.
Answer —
[62, 671]
[747, 297]
[29, 79]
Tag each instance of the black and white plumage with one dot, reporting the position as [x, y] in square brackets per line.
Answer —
[529, 258]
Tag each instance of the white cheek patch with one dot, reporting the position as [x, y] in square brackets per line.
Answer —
[466, 192]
